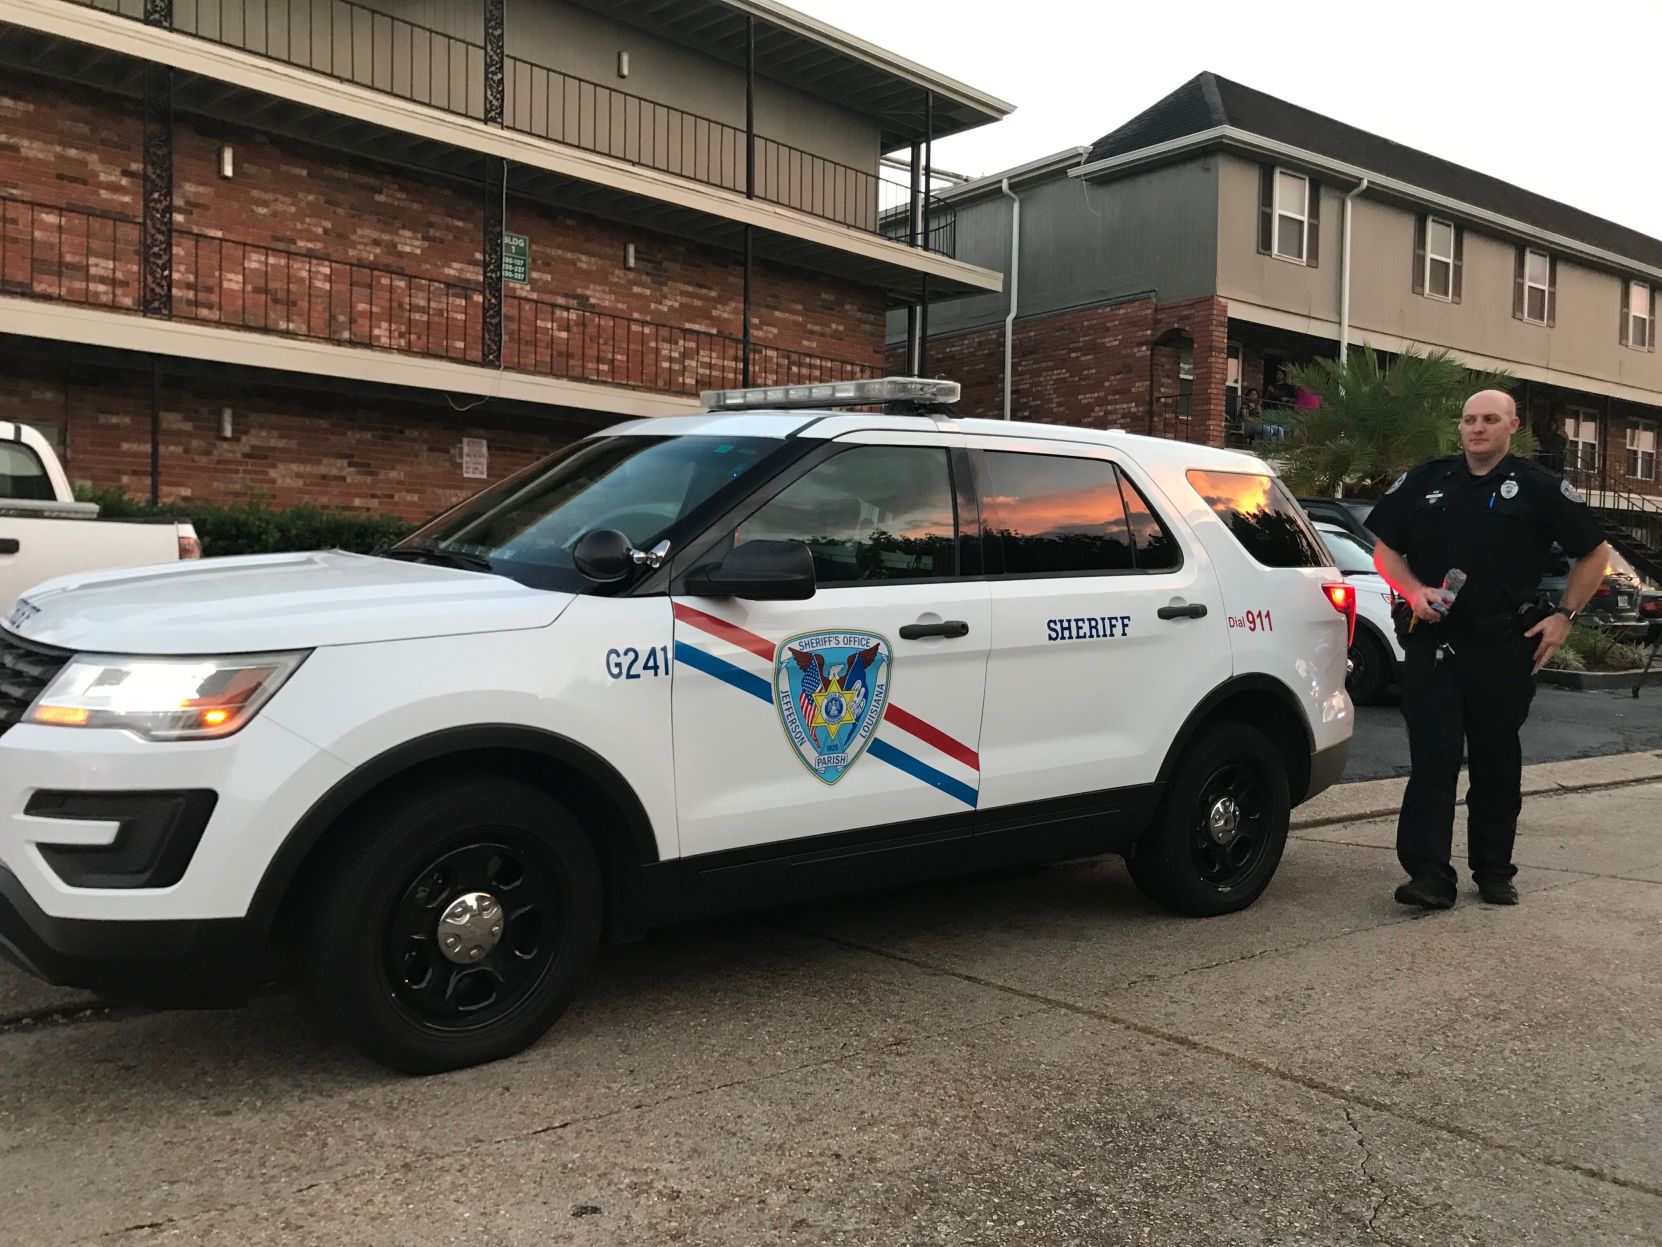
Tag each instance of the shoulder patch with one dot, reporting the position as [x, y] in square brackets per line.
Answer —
[1569, 491]
[1397, 484]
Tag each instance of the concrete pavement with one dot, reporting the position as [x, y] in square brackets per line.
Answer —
[1038, 1058]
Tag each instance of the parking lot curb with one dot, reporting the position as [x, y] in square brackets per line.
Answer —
[1382, 798]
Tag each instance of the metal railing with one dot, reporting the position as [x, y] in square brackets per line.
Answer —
[69, 255]
[92, 258]
[353, 43]
[1632, 521]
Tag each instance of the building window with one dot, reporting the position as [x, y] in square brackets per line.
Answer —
[1439, 259]
[1292, 215]
[1641, 449]
[1581, 430]
[1641, 326]
[1537, 277]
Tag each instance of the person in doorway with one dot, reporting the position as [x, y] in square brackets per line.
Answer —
[1472, 652]
[1280, 392]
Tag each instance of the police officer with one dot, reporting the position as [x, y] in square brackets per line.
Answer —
[1471, 658]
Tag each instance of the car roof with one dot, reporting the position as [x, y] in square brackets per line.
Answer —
[1148, 451]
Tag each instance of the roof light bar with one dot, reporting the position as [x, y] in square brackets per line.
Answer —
[834, 394]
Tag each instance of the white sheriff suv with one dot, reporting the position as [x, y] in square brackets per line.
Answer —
[687, 665]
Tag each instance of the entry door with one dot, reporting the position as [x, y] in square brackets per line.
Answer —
[859, 708]
[1107, 625]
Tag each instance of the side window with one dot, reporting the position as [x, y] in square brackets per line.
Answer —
[22, 475]
[1263, 516]
[870, 513]
[1052, 513]
[1155, 549]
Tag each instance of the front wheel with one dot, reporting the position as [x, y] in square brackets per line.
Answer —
[455, 925]
[1222, 826]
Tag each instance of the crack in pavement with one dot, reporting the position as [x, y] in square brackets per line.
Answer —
[31, 1020]
[1308, 1082]
[1371, 1178]
[408, 1157]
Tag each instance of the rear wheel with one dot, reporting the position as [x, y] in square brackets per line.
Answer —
[456, 925]
[1371, 672]
[1222, 826]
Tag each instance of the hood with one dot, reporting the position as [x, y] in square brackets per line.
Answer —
[274, 602]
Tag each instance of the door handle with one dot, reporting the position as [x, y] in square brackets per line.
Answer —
[9, 545]
[947, 627]
[1195, 610]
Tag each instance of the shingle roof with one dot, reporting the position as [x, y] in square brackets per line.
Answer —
[1207, 101]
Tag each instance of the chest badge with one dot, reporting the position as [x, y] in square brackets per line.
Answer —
[1434, 497]
[831, 689]
[1509, 489]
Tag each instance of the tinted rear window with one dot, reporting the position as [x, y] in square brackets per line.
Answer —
[1263, 516]
[21, 474]
[1050, 513]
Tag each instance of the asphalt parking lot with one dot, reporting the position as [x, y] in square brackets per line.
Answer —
[1039, 1058]
[1562, 724]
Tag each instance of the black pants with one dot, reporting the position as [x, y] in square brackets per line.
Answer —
[1478, 695]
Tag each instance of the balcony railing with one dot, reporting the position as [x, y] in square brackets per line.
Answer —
[94, 259]
[368, 48]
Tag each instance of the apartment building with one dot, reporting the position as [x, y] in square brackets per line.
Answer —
[376, 255]
[1222, 234]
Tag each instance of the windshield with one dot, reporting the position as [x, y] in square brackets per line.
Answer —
[525, 527]
[1349, 555]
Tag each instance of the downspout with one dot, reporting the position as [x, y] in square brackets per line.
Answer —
[1015, 289]
[1344, 278]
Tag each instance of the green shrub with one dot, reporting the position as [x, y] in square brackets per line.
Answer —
[1567, 659]
[254, 527]
[1624, 657]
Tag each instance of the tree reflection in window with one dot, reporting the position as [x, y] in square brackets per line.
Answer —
[1053, 513]
[1264, 518]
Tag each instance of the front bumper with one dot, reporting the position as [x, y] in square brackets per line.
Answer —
[214, 961]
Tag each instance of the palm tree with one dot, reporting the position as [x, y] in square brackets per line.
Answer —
[1377, 421]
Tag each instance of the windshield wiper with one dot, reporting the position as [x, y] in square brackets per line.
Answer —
[432, 551]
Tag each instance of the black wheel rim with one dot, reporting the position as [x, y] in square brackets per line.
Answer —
[1359, 676]
[445, 995]
[1230, 826]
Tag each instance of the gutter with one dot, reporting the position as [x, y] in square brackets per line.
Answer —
[1344, 278]
[1234, 137]
[1015, 289]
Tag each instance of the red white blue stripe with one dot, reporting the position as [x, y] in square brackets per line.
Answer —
[909, 760]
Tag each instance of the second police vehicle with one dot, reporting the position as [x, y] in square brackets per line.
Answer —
[780, 650]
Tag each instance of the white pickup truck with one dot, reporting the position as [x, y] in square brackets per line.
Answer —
[45, 533]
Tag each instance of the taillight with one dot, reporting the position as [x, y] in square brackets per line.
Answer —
[1343, 597]
[190, 546]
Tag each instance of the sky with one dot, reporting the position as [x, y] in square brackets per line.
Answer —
[1545, 99]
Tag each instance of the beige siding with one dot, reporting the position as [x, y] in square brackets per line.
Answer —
[1245, 273]
[1584, 339]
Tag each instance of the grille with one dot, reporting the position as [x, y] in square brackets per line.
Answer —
[25, 669]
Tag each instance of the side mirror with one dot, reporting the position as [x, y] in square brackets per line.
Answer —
[758, 571]
[603, 554]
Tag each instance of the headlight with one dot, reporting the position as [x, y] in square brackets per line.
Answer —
[163, 698]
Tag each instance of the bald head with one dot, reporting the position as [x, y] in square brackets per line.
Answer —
[1487, 423]
[1498, 401]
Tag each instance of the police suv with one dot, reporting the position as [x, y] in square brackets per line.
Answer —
[687, 665]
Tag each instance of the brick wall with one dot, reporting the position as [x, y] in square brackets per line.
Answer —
[1113, 367]
[303, 240]
[287, 446]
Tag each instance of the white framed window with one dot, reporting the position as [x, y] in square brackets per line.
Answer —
[1292, 215]
[1641, 448]
[1439, 259]
[1537, 283]
[1581, 431]
[1640, 331]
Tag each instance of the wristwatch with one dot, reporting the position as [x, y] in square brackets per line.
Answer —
[1567, 613]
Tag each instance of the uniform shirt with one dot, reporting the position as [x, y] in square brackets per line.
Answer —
[1498, 528]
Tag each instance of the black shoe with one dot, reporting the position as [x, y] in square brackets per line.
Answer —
[1426, 895]
[1497, 891]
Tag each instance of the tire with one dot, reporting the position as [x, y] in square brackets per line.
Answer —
[372, 940]
[1371, 670]
[1184, 867]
